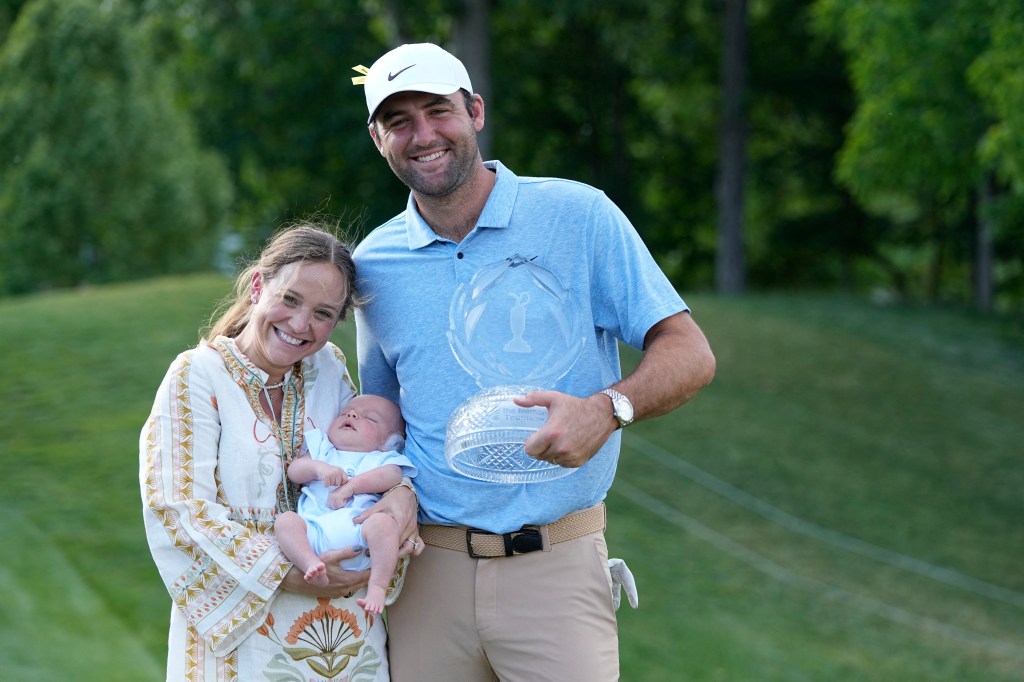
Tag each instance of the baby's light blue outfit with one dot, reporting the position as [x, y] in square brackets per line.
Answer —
[329, 528]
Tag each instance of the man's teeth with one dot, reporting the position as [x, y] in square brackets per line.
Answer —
[431, 157]
[291, 340]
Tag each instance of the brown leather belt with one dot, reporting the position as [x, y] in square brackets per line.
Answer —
[481, 544]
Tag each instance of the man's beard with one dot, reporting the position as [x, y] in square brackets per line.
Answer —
[457, 172]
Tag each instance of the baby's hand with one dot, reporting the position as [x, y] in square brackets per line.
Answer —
[332, 476]
[339, 497]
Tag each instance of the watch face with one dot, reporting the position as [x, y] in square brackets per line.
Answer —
[623, 409]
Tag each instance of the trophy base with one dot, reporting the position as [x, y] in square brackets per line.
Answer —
[486, 435]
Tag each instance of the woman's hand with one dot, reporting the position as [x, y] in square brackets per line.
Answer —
[341, 583]
[401, 504]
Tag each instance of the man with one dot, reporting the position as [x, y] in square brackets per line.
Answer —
[492, 603]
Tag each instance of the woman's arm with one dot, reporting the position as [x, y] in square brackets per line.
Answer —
[214, 559]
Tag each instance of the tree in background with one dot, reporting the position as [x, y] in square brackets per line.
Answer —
[911, 154]
[628, 97]
[8, 12]
[269, 84]
[730, 269]
[997, 75]
[622, 95]
[802, 228]
[103, 178]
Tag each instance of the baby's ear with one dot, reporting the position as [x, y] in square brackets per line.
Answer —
[394, 442]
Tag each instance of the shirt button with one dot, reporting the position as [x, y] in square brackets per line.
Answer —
[459, 255]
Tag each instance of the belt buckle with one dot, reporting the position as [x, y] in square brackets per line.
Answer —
[470, 532]
[523, 541]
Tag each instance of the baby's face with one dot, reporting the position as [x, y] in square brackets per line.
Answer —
[365, 423]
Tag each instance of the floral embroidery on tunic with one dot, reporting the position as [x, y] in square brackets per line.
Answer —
[327, 639]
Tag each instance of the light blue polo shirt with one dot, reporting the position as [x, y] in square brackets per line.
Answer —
[409, 276]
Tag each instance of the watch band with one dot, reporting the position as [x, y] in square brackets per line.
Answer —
[622, 408]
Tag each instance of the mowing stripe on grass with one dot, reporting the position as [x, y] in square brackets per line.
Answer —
[797, 525]
[55, 627]
[782, 574]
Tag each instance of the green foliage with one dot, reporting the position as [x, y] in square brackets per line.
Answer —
[914, 132]
[894, 426]
[997, 76]
[8, 11]
[628, 99]
[103, 178]
[625, 99]
[269, 84]
[873, 127]
[938, 114]
[802, 229]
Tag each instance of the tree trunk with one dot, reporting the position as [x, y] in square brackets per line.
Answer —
[983, 251]
[473, 44]
[938, 236]
[729, 260]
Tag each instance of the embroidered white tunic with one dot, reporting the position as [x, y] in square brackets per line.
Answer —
[212, 476]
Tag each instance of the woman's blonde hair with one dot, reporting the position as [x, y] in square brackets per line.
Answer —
[302, 242]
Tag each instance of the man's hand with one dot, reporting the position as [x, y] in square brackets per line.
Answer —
[400, 503]
[677, 362]
[575, 430]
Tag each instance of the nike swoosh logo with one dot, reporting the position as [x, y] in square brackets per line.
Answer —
[393, 76]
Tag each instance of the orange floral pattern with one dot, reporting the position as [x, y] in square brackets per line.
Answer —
[326, 638]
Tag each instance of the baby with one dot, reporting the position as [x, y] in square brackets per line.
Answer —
[343, 475]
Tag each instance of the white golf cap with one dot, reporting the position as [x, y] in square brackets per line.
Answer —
[419, 67]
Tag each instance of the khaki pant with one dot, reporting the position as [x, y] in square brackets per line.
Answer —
[542, 616]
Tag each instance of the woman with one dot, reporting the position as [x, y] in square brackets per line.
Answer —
[226, 421]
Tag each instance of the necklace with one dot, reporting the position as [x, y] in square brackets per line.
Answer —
[280, 440]
[271, 387]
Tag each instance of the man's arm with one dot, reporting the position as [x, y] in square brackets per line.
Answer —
[677, 363]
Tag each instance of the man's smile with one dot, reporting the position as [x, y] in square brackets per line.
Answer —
[430, 157]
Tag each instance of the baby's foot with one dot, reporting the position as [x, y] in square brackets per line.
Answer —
[316, 573]
[374, 601]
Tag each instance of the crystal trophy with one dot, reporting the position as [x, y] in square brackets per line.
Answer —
[514, 328]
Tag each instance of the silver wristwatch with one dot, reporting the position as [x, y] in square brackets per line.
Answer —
[622, 409]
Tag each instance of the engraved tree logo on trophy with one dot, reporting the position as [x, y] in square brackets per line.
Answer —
[514, 328]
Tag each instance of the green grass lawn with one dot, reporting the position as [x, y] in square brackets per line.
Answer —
[845, 502]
